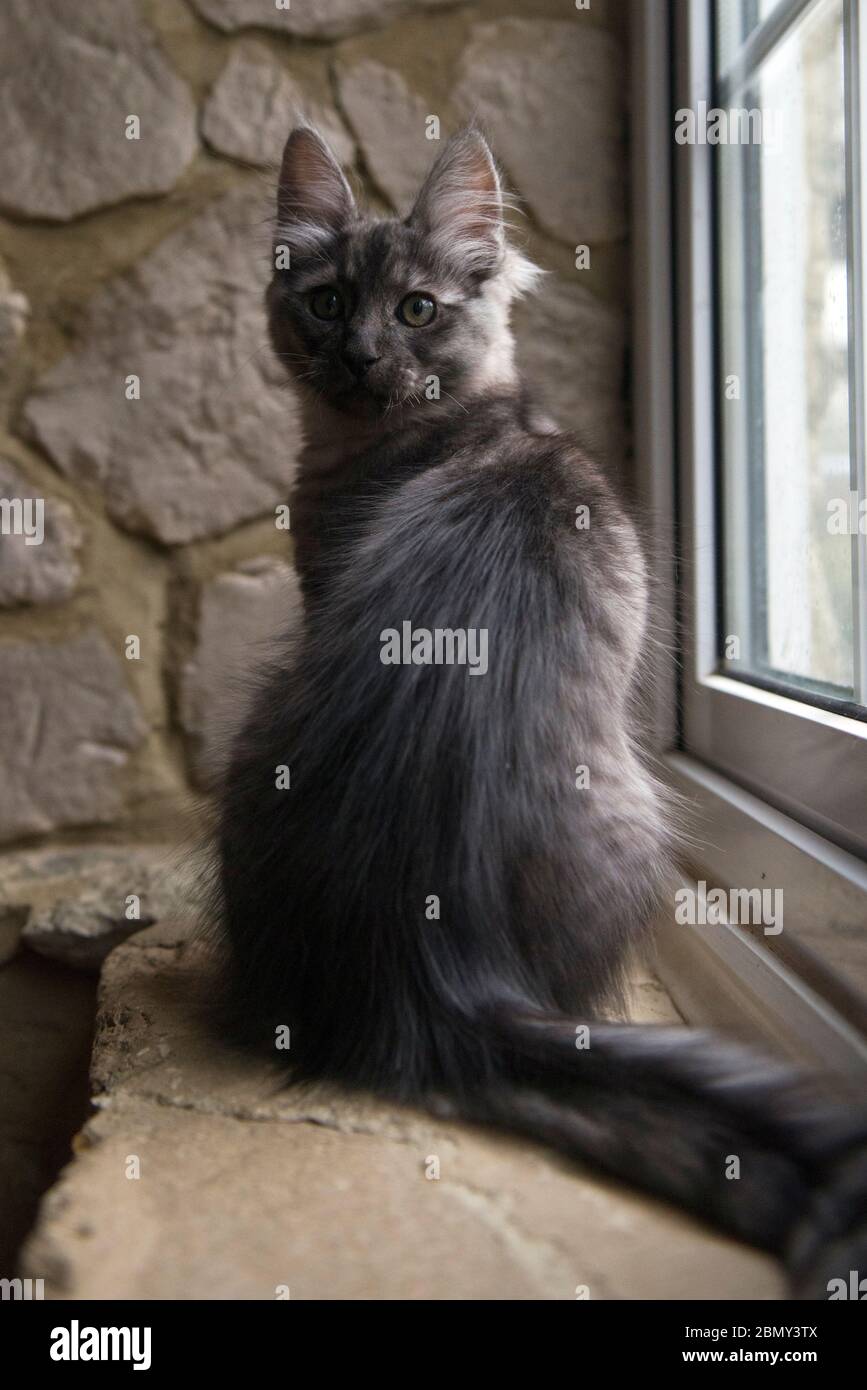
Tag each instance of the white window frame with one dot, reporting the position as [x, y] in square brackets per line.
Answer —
[778, 786]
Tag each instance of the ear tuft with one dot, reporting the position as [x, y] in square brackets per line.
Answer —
[522, 276]
[313, 198]
[460, 206]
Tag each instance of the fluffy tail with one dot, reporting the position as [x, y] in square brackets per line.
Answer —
[749, 1145]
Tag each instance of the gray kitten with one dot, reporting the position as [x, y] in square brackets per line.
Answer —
[412, 878]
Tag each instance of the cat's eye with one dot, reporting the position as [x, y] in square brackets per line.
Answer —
[326, 303]
[417, 310]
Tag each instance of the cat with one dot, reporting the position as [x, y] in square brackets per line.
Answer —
[411, 877]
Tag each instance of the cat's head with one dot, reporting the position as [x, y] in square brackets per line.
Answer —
[370, 314]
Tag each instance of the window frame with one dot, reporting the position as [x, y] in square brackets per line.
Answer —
[801, 754]
[774, 780]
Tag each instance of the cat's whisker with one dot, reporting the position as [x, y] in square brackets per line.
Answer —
[247, 361]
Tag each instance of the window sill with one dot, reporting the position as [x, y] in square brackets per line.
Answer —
[802, 991]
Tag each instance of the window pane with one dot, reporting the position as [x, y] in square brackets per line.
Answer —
[784, 361]
[736, 20]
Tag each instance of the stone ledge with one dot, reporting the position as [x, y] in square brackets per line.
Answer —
[245, 1187]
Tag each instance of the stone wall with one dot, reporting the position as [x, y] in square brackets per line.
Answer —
[138, 399]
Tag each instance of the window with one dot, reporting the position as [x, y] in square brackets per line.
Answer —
[770, 283]
[749, 139]
[793, 609]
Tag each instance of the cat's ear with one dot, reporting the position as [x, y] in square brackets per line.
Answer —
[313, 198]
[460, 206]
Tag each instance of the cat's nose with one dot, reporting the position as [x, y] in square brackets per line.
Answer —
[359, 361]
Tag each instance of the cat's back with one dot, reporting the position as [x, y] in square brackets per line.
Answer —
[501, 487]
